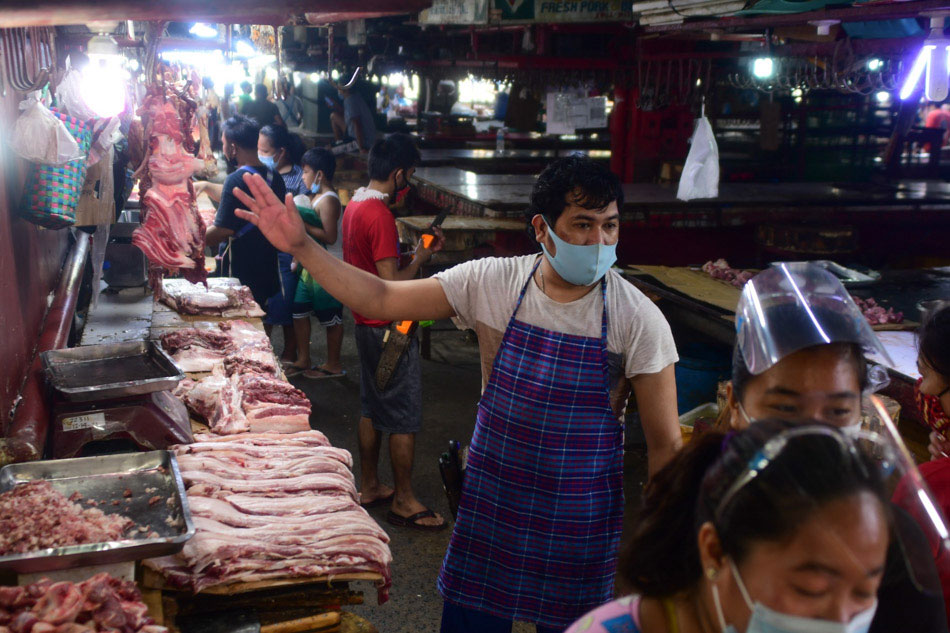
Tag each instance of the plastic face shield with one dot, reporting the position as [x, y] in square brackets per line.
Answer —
[792, 306]
[918, 525]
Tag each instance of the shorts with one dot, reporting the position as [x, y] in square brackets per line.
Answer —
[398, 409]
[311, 298]
[279, 308]
[327, 318]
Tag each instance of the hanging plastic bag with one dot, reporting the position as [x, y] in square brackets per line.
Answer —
[40, 137]
[700, 177]
[70, 95]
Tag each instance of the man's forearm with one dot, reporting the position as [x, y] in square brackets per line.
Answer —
[410, 271]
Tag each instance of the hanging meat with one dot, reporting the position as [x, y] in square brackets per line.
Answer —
[172, 234]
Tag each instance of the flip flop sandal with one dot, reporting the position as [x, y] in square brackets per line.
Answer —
[411, 522]
[375, 503]
[291, 371]
[316, 373]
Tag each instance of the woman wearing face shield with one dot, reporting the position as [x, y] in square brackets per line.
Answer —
[799, 354]
[781, 528]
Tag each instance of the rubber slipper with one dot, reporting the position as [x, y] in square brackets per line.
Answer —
[317, 373]
[378, 501]
[412, 521]
[292, 371]
[286, 364]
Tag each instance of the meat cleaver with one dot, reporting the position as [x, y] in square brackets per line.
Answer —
[249, 622]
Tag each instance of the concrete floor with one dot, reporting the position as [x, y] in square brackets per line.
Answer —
[451, 383]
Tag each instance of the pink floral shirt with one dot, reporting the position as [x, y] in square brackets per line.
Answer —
[617, 616]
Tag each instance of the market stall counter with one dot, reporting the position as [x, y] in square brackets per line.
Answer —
[290, 559]
[900, 224]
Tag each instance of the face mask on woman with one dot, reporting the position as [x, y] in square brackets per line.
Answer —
[766, 620]
[267, 161]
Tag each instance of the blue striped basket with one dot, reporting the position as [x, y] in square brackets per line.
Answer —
[52, 191]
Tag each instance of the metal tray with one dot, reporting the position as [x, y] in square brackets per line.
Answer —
[105, 479]
[117, 370]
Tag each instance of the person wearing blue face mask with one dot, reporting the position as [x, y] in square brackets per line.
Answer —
[279, 151]
[780, 528]
[321, 211]
[564, 340]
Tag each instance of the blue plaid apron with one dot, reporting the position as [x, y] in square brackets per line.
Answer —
[542, 504]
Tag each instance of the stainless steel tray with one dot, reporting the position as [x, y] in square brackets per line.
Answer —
[118, 370]
[105, 479]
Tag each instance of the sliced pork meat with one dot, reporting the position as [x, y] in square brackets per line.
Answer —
[98, 605]
[172, 234]
[35, 516]
[720, 269]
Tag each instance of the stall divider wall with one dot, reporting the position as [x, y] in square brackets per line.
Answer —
[31, 260]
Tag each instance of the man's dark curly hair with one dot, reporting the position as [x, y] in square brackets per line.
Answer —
[575, 179]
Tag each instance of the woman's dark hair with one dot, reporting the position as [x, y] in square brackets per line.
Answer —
[933, 340]
[278, 136]
[296, 148]
[320, 159]
[588, 184]
[852, 351]
[662, 557]
[397, 151]
[242, 131]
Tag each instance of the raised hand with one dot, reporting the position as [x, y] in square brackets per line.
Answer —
[280, 222]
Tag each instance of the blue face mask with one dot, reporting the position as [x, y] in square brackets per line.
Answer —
[580, 265]
[268, 161]
[765, 620]
[315, 188]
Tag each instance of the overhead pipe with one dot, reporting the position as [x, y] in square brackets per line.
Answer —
[26, 436]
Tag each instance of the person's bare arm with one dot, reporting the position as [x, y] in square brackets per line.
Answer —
[216, 234]
[329, 211]
[416, 300]
[212, 189]
[656, 402]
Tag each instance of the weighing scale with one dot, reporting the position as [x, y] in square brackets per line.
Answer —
[114, 398]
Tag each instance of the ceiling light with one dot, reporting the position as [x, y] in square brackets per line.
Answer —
[932, 58]
[203, 30]
[763, 67]
[875, 65]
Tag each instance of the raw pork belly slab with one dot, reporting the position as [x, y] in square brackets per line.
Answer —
[247, 401]
[236, 345]
[224, 297]
[100, 604]
[269, 506]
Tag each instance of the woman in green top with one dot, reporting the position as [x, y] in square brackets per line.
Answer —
[320, 210]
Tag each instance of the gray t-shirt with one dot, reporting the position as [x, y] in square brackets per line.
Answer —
[355, 108]
[484, 292]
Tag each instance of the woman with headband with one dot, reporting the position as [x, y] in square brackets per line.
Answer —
[800, 347]
[781, 528]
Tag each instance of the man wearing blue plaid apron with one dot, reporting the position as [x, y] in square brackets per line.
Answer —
[564, 340]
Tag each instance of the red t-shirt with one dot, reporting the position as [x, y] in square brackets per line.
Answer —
[369, 235]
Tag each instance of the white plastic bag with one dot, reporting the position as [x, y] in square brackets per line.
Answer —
[700, 177]
[70, 94]
[40, 137]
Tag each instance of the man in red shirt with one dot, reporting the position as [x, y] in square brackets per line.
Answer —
[371, 243]
[938, 118]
